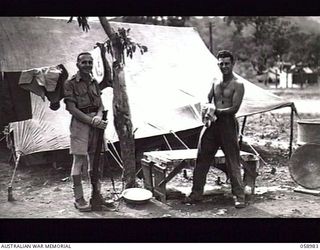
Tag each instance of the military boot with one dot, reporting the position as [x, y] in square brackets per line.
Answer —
[239, 201]
[80, 203]
[97, 201]
[194, 197]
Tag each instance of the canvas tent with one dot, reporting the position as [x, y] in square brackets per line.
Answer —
[165, 85]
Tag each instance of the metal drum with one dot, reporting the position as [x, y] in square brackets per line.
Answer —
[308, 131]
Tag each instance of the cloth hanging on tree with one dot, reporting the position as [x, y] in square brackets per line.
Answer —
[45, 82]
[40, 80]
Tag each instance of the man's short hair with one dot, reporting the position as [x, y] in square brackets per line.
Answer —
[83, 53]
[224, 54]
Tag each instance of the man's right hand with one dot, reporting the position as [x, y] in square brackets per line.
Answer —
[97, 122]
[102, 125]
[207, 113]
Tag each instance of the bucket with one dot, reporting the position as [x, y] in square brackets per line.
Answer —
[308, 131]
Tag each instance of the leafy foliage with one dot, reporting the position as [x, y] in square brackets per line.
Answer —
[125, 44]
[157, 20]
[273, 39]
[122, 40]
[82, 21]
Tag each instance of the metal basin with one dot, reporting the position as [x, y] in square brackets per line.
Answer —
[308, 131]
[304, 166]
[136, 195]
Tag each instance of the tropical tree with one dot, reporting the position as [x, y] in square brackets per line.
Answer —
[299, 49]
[268, 38]
[305, 49]
[314, 53]
[157, 20]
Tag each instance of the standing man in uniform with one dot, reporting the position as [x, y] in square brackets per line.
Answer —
[222, 131]
[84, 103]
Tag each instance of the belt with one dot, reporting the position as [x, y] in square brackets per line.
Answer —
[88, 110]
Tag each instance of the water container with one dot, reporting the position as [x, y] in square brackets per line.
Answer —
[308, 131]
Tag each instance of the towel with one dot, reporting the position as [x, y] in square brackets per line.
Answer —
[207, 112]
[40, 80]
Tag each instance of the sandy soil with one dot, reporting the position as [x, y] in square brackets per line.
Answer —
[45, 191]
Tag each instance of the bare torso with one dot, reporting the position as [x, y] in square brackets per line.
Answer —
[228, 95]
[223, 93]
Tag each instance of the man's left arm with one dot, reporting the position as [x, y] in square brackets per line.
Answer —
[107, 80]
[236, 101]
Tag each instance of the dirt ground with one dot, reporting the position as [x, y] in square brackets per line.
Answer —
[45, 191]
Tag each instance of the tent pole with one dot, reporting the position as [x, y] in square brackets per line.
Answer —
[210, 36]
[242, 129]
[291, 131]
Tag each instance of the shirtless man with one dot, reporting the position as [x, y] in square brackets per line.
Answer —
[221, 132]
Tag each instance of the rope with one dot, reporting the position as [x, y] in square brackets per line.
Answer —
[165, 138]
[115, 193]
[111, 178]
[115, 158]
[2, 138]
[114, 148]
[171, 131]
[120, 163]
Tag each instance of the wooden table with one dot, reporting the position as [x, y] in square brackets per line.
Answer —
[159, 167]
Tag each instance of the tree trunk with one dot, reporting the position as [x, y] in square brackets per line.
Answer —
[121, 109]
[123, 125]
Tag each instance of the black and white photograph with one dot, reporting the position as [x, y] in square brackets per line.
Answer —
[159, 117]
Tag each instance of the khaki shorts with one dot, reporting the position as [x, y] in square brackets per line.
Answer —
[83, 137]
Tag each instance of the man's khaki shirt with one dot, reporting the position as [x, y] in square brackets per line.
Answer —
[83, 94]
